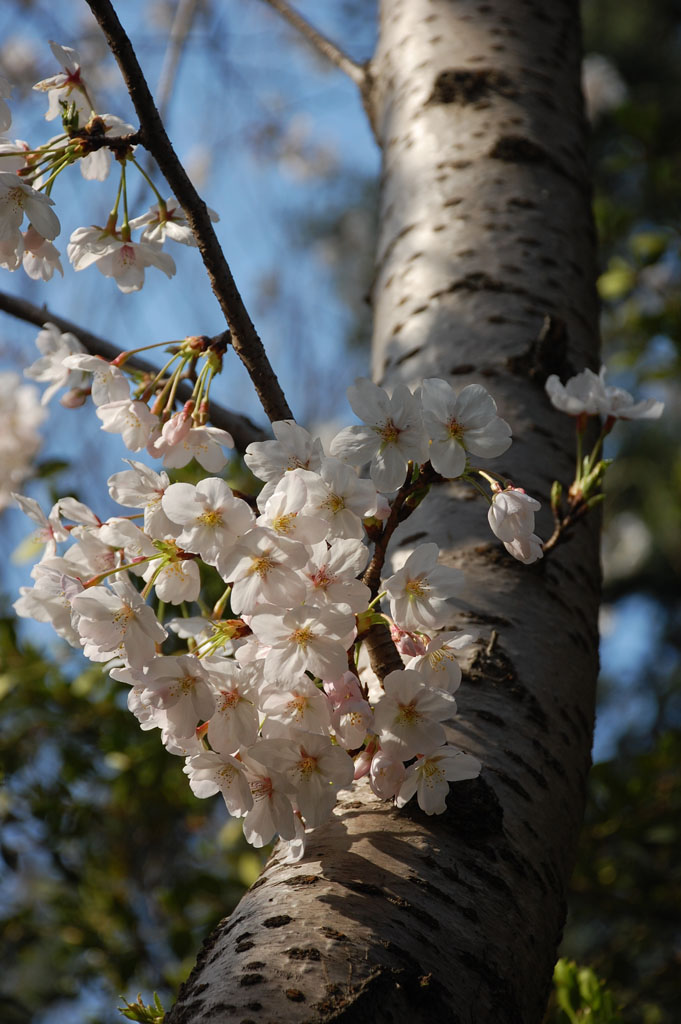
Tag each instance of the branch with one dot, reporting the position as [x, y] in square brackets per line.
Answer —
[245, 339]
[242, 429]
[179, 30]
[357, 72]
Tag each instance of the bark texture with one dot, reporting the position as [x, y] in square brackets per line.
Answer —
[485, 273]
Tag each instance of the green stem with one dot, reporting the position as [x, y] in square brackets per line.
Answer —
[159, 197]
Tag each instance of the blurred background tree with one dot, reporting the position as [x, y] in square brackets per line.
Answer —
[111, 868]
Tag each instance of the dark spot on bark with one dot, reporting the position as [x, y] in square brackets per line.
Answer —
[462, 368]
[499, 991]
[332, 933]
[277, 922]
[295, 995]
[497, 670]
[255, 965]
[453, 202]
[366, 888]
[302, 880]
[250, 979]
[257, 884]
[518, 149]
[464, 85]
[243, 947]
[523, 204]
[306, 953]
[529, 768]
[488, 716]
[491, 880]
[412, 537]
[545, 355]
[255, 1005]
[514, 785]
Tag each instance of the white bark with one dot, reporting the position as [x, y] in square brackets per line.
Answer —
[485, 233]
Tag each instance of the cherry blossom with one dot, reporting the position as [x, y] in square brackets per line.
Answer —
[419, 591]
[117, 257]
[294, 448]
[55, 346]
[588, 393]
[204, 444]
[393, 435]
[262, 569]
[20, 438]
[210, 772]
[168, 221]
[315, 768]
[511, 519]
[180, 687]
[438, 665]
[131, 419]
[40, 257]
[407, 718]
[457, 424]
[18, 199]
[429, 777]
[303, 639]
[142, 487]
[67, 85]
[116, 622]
[211, 519]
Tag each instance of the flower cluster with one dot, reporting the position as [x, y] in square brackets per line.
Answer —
[28, 175]
[270, 696]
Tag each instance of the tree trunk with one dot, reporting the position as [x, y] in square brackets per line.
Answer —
[485, 273]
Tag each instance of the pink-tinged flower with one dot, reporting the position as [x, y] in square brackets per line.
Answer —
[211, 519]
[18, 199]
[392, 437]
[180, 442]
[351, 717]
[419, 591]
[332, 574]
[262, 569]
[169, 222]
[430, 775]
[11, 252]
[55, 346]
[117, 623]
[67, 86]
[20, 439]
[438, 666]
[511, 519]
[50, 531]
[272, 812]
[457, 424]
[305, 639]
[40, 257]
[315, 768]
[407, 717]
[234, 723]
[134, 421]
[50, 600]
[113, 256]
[210, 773]
[180, 687]
[386, 775]
[587, 393]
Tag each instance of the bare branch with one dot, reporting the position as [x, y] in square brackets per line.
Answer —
[179, 30]
[357, 72]
[242, 429]
[245, 339]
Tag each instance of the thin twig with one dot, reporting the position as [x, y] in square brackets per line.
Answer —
[242, 429]
[245, 339]
[324, 46]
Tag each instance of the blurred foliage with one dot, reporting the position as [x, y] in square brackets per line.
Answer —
[112, 871]
[580, 997]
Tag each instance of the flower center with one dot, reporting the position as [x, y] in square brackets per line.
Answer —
[408, 714]
[334, 503]
[455, 430]
[307, 765]
[211, 517]
[284, 524]
[262, 565]
[228, 699]
[388, 433]
[416, 587]
[302, 636]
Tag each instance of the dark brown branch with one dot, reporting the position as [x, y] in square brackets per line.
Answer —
[242, 429]
[245, 339]
[321, 44]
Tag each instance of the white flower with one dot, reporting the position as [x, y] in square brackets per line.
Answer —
[211, 773]
[282, 511]
[315, 768]
[300, 708]
[117, 623]
[180, 687]
[419, 591]
[55, 347]
[133, 420]
[392, 437]
[109, 384]
[438, 667]
[407, 717]
[456, 424]
[170, 222]
[272, 811]
[124, 260]
[304, 639]
[294, 448]
[336, 494]
[177, 580]
[141, 487]
[587, 393]
[50, 531]
[40, 257]
[430, 775]
[16, 199]
[511, 519]
[20, 439]
[261, 568]
[67, 86]
[212, 519]
[50, 601]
